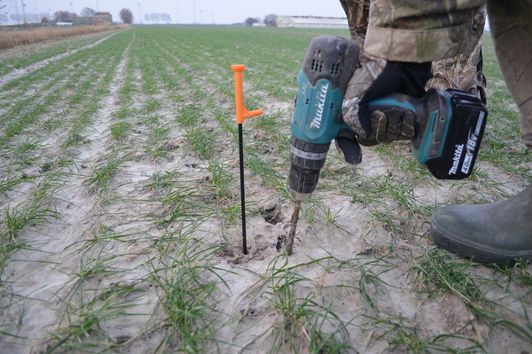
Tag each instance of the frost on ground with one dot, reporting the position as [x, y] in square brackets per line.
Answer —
[121, 220]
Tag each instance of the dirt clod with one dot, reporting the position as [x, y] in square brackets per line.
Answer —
[171, 146]
[271, 212]
[45, 167]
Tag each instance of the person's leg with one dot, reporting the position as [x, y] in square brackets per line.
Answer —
[511, 29]
[499, 232]
[357, 12]
[463, 71]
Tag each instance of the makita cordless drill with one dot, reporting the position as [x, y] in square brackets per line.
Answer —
[448, 125]
[322, 81]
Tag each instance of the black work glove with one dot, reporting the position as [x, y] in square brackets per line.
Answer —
[377, 78]
[347, 144]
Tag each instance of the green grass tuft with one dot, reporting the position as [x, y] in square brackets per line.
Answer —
[119, 130]
[102, 175]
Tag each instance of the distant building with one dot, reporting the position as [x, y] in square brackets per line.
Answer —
[99, 18]
[157, 18]
[312, 22]
[105, 17]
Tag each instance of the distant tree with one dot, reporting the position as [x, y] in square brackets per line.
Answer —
[87, 11]
[3, 17]
[45, 20]
[126, 16]
[270, 20]
[60, 16]
[64, 16]
[251, 20]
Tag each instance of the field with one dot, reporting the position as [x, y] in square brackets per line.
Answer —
[120, 211]
[13, 38]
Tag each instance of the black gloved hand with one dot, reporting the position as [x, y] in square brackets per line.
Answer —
[378, 78]
[347, 144]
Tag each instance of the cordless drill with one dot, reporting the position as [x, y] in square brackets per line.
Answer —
[322, 81]
[449, 124]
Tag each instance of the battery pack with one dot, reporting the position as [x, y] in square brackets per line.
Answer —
[457, 135]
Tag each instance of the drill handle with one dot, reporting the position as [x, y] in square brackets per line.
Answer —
[433, 108]
[431, 118]
[397, 100]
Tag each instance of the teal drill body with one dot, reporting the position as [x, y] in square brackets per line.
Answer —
[317, 111]
[322, 81]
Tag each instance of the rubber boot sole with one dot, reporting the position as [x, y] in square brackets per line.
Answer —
[481, 253]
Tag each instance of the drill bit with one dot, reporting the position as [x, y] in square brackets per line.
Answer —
[293, 226]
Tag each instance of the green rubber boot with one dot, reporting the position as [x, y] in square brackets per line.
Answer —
[488, 233]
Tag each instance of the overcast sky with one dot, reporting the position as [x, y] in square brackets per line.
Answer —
[207, 11]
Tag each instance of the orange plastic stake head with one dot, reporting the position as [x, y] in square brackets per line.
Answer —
[238, 67]
[241, 112]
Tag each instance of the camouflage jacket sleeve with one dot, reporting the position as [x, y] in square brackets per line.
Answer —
[420, 30]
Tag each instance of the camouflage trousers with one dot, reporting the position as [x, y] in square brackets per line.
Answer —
[463, 71]
[511, 30]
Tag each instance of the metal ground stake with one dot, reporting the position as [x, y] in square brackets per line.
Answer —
[241, 114]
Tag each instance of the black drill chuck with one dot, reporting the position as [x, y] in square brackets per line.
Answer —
[307, 160]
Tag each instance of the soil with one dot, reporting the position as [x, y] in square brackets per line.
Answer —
[333, 257]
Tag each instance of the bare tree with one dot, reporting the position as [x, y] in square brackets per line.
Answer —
[64, 16]
[87, 11]
[270, 20]
[251, 20]
[126, 16]
[3, 16]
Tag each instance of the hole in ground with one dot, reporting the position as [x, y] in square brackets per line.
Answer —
[272, 213]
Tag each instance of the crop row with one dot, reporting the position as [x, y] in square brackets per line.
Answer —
[39, 142]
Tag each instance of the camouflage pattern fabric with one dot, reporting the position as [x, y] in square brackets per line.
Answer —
[362, 79]
[463, 71]
[426, 30]
[357, 12]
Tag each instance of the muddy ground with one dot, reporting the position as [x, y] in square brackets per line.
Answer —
[99, 275]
